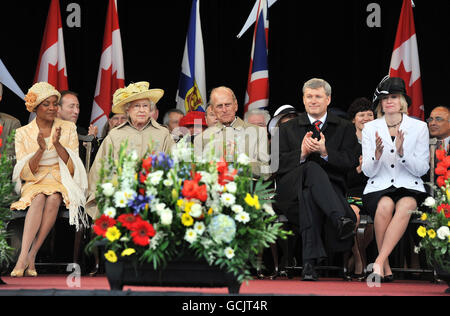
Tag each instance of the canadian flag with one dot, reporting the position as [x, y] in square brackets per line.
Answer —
[51, 66]
[405, 60]
[111, 75]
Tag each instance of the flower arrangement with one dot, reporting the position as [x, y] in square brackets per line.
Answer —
[8, 196]
[159, 207]
[435, 233]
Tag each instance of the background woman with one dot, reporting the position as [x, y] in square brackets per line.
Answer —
[48, 172]
[360, 112]
[395, 156]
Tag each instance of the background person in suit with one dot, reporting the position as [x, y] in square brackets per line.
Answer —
[316, 152]
[395, 156]
[9, 123]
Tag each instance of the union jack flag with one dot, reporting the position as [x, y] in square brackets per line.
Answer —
[257, 94]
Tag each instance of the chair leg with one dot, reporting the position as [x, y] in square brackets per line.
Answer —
[77, 243]
[274, 250]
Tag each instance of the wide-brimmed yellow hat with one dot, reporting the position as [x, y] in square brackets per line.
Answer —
[38, 93]
[134, 91]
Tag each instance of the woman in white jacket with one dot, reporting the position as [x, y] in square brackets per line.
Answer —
[395, 155]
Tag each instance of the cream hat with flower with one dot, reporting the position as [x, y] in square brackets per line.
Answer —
[134, 91]
[38, 93]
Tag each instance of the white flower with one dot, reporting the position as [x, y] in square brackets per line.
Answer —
[134, 156]
[207, 177]
[243, 159]
[229, 252]
[199, 227]
[231, 187]
[120, 199]
[443, 232]
[242, 217]
[166, 216]
[228, 199]
[108, 189]
[155, 177]
[159, 208]
[429, 201]
[110, 211]
[196, 210]
[268, 208]
[237, 208]
[190, 236]
[168, 182]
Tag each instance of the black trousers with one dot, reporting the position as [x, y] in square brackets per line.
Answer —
[323, 203]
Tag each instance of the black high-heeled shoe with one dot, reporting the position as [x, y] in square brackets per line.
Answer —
[388, 278]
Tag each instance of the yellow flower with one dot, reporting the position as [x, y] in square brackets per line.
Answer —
[113, 233]
[111, 256]
[210, 211]
[128, 252]
[431, 233]
[187, 207]
[252, 201]
[180, 203]
[447, 192]
[175, 194]
[422, 231]
[187, 220]
[424, 217]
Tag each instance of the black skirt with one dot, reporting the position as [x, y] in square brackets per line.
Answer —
[370, 200]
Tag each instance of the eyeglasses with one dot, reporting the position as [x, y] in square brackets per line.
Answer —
[437, 119]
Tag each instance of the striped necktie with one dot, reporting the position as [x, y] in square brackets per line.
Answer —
[317, 125]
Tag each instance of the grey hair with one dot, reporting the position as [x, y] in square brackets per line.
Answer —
[166, 116]
[316, 83]
[265, 113]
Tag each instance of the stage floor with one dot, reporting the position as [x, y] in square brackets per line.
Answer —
[326, 286]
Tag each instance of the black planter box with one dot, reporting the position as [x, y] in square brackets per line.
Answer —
[184, 272]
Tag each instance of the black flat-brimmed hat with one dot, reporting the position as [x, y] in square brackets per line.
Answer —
[390, 85]
[281, 112]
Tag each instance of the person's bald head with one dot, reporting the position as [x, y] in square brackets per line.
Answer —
[438, 122]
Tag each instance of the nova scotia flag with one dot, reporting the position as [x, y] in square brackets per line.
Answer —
[191, 95]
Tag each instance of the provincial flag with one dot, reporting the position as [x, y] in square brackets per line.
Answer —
[257, 94]
[191, 94]
[7, 80]
[51, 65]
[405, 60]
[111, 74]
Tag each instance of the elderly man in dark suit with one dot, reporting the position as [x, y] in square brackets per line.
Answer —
[316, 151]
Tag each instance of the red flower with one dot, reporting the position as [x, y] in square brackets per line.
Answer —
[202, 193]
[102, 224]
[440, 181]
[440, 154]
[189, 189]
[147, 163]
[129, 220]
[441, 169]
[446, 161]
[444, 208]
[141, 233]
[1, 129]
[142, 177]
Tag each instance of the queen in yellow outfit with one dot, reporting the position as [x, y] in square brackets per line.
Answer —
[48, 171]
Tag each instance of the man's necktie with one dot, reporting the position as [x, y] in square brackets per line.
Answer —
[317, 125]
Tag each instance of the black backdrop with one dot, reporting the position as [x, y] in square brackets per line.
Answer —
[327, 39]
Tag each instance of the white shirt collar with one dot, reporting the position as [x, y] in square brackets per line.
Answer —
[322, 119]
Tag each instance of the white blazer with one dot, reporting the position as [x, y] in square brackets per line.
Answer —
[392, 169]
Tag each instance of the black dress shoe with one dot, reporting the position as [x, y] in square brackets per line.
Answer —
[309, 273]
[345, 227]
[388, 278]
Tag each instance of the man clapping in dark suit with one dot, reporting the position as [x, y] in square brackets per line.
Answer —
[316, 151]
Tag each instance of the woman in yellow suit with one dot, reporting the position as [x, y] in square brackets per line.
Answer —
[48, 171]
